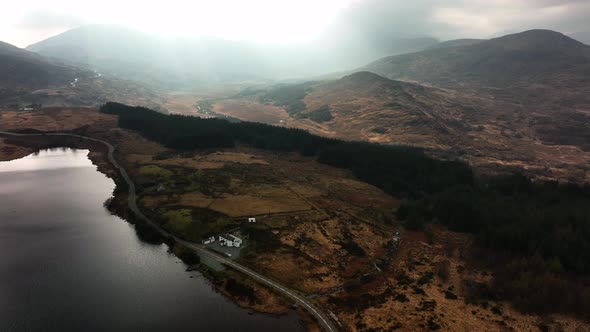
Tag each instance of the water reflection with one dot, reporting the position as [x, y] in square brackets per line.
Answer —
[67, 264]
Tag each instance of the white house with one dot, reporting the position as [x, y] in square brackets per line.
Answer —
[236, 241]
[251, 219]
[229, 240]
[209, 240]
[223, 241]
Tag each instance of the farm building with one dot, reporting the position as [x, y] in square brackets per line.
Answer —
[237, 241]
[251, 219]
[229, 240]
[209, 240]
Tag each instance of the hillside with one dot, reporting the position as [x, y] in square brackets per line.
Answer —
[583, 36]
[29, 78]
[370, 107]
[325, 231]
[23, 69]
[361, 106]
[185, 62]
[139, 56]
[526, 98]
[521, 224]
[539, 55]
[455, 43]
[537, 80]
[492, 133]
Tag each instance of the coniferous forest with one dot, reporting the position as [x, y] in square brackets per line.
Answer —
[534, 235]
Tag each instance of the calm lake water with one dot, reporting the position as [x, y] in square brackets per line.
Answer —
[67, 264]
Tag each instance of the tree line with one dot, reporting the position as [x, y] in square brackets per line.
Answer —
[397, 170]
[531, 226]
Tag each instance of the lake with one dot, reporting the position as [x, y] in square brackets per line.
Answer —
[67, 264]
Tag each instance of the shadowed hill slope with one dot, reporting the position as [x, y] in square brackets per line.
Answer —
[20, 68]
[539, 55]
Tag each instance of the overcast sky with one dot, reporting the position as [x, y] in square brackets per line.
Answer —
[27, 21]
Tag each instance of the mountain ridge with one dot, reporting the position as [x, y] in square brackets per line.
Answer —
[175, 62]
[24, 69]
[496, 62]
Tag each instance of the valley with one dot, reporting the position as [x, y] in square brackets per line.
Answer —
[495, 136]
[499, 124]
[367, 178]
[311, 218]
[480, 101]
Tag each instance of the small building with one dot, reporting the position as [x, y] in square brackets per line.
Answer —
[226, 241]
[251, 219]
[223, 241]
[229, 240]
[209, 240]
[236, 240]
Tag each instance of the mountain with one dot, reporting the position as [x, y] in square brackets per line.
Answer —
[377, 47]
[404, 45]
[178, 63]
[542, 75]
[582, 36]
[455, 43]
[135, 55]
[30, 78]
[22, 69]
[543, 137]
[360, 106]
[366, 106]
[541, 56]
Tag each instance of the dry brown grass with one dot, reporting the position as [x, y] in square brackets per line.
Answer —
[322, 247]
[181, 103]
[249, 110]
[267, 301]
[55, 119]
[130, 143]
[415, 258]
[311, 257]
[298, 272]
[216, 160]
[251, 205]
[493, 134]
[49, 119]
[10, 152]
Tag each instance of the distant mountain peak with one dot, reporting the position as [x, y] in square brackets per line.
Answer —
[9, 49]
[4, 45]
[537, 38]
[364, 76]
[455, 43]
[499, 62]
[27, 70]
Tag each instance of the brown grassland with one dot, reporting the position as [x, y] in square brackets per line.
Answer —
[319, 231]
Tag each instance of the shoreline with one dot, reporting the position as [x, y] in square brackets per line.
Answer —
[98, 155]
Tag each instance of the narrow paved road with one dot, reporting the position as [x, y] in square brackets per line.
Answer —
[322, 318]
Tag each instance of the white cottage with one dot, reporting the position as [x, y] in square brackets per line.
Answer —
[229, 240]
[236, 241]
[209, 240]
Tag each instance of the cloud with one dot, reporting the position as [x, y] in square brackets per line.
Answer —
[448, 19]
[368, 23]
[493, 18]
[45, 19]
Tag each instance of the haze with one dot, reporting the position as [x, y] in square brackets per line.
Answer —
[315, 165]
[295, 21]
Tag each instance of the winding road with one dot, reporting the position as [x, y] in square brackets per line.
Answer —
[322, 318]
